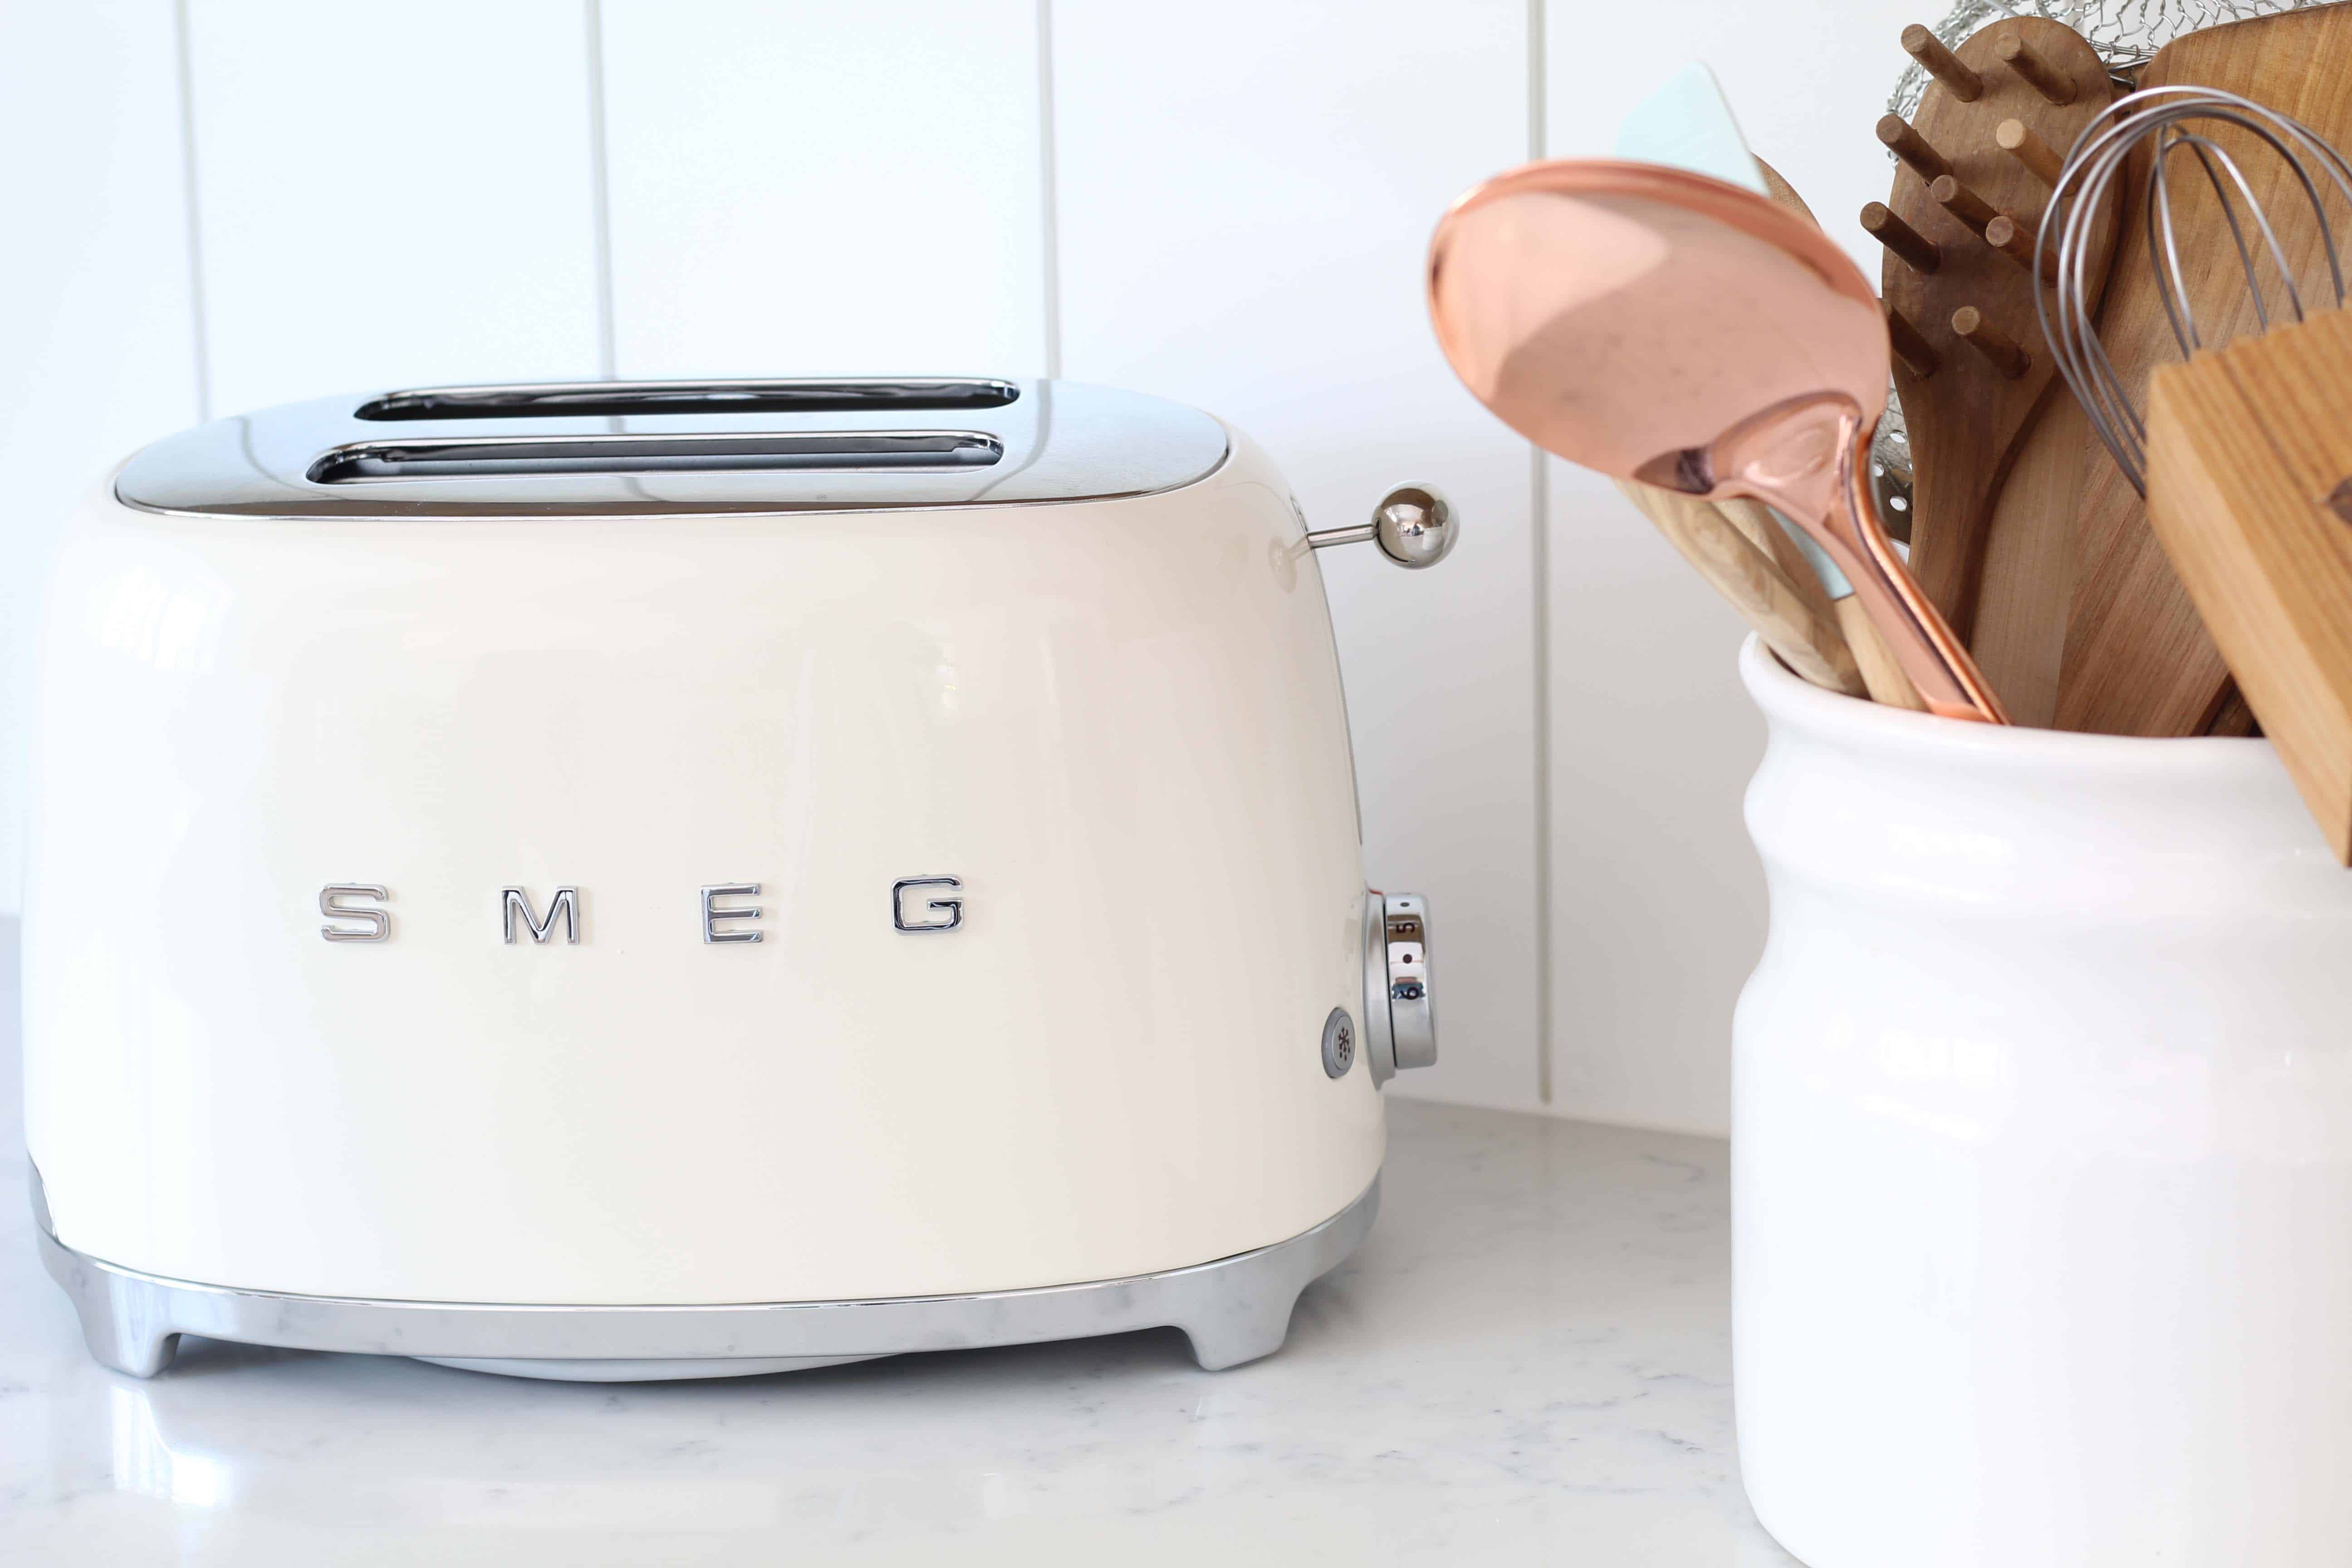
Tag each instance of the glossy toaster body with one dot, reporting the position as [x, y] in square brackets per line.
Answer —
[746, 847]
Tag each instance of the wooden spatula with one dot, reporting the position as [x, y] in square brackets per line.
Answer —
[2250, 492]
[1806, 640]
[1811, 566]
[2136, 659]
[1959, 227]
[1814, 573]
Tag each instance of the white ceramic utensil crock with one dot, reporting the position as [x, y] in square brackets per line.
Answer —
[2041, 1150]
[667, 879]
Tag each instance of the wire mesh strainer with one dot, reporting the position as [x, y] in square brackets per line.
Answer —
[2125, 32]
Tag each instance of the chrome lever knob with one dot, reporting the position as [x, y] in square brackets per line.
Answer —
[1415, 525]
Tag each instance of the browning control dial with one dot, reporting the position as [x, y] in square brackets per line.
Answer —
[1399, 1029]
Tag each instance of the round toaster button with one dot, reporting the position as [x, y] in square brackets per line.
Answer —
[1338, 1043]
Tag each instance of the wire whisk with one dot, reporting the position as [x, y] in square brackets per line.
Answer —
[2175, 119]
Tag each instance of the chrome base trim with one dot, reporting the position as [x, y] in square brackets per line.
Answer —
[1233, 1310]
[546, 1370]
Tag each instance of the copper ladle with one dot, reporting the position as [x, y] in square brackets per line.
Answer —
[1658, 325]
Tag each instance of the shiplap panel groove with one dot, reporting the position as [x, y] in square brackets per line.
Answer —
[1547, 995]
[1048, 197]
[601, 192]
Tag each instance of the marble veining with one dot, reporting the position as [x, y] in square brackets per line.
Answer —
[1527, 1362]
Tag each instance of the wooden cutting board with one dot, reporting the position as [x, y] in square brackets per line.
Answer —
[2137, 660]
[2018, 636]
[2250, 488]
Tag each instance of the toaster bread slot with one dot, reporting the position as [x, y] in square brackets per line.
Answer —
[500, 457]
[622, 398]
[677, 448]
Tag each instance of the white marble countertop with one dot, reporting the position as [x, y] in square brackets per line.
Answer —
[1528, 1361]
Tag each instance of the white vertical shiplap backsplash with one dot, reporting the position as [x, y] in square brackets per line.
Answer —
[391, 193]
[821, 189]
[1658, 901]
[1243, 227]
[98, 350]
[1225, 202]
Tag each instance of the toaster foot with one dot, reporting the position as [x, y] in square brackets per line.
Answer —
[1232, 1310]
[135, 1355]
[1216, 1346]
[119, 1326]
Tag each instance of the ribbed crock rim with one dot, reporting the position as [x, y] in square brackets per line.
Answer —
[1876, 727]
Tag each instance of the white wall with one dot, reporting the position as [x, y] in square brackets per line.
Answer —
[1658, 906]
[98, 349]
[223, 204]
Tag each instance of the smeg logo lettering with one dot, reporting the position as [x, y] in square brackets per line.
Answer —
[358, 912]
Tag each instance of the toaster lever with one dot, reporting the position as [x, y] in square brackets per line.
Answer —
[1414, 526]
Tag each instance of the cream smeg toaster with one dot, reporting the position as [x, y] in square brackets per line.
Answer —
[664, 880]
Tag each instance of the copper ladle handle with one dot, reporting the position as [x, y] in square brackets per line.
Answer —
[1807, 456]
[1915, 632]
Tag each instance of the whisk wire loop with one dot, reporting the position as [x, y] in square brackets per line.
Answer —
[2086, 186]
[2172, 289]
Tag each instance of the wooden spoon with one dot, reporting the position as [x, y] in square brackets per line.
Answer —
[1959, 227]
